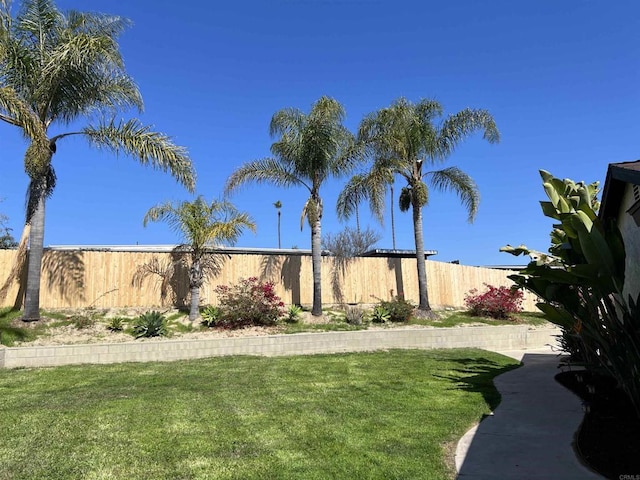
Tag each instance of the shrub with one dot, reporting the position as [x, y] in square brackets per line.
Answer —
[354, 316]
[293, 314]
[379, 314]
[150, 324]
[116, 324]
[210, 316]
[496, 302]
[82, 321]
[250, 302]
[400, 310]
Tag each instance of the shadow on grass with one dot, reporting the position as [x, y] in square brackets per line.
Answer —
[476, 375]
[8, 332]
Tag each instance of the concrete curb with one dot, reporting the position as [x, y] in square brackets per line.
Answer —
[509, 337]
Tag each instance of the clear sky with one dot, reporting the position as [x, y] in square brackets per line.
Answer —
[561, 79]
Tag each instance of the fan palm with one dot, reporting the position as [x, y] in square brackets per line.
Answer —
[309, 149]
[203, 226]
[401, 140]
[56, 69]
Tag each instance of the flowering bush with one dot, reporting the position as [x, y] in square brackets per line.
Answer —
[496, 302]
[250, 302]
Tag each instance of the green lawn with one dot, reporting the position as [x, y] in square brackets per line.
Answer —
[384, 415]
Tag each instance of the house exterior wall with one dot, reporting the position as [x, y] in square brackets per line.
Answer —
[631, 235]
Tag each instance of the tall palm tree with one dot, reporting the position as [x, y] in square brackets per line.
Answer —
[309, 149]
[278, 205]
[401, 140]
[56, 69]
[203, 226]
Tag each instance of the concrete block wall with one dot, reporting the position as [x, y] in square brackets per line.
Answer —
[490, 338]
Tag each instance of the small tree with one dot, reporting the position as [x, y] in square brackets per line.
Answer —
[6, 239]
[203, 226]
[349, 242]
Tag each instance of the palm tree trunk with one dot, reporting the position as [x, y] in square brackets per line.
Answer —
[195, 281]
[393, 222]
[34, 270]
[422, 267]
[194, 310]
[316, 262]
[279, 245]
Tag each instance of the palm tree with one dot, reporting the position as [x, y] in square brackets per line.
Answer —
[203, 227]
[278, 205]
[401, 139]
[56, 69]
[309, 149]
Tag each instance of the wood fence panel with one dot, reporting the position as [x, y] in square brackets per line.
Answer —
[113, 279]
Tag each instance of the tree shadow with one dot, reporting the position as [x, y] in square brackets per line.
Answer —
[65, 273]
[270, 266]
[338, 272]
[395, 264]
[476, 375]
[173, 274]
[18, 272]
[290, 276]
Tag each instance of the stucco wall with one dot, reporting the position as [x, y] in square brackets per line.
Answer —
[631, 234]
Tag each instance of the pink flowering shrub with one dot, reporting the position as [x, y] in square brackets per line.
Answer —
[250, 302]
[496, 302]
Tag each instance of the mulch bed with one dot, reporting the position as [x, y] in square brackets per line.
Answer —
[608, 440]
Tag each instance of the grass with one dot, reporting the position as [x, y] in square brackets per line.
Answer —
[458, 318]
[383, 415]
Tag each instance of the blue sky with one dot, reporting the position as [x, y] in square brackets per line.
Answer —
[561, 79]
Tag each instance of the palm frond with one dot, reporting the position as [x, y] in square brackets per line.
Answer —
[266, 170]
[148, 147]
[15, 111]
[459, 126]
[454, 179]
[202, 224]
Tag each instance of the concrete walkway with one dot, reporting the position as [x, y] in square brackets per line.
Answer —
[531, 432]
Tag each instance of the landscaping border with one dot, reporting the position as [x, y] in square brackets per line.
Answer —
[508, 337]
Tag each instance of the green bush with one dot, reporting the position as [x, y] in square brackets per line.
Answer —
[116, 324]
[293, 314]
[379, 314]
[400, 310]
[150, 324]
[210, 316]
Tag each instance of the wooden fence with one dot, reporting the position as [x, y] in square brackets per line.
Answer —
[113, 279]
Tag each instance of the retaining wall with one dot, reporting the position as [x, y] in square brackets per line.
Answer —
[500, 338]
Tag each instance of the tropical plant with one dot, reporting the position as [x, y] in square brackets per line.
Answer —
[293, 314]
[116, 324]
[380, 314]
[150, 324]
[309, 149]
[278, 205]
[57, 69]
[401, 140]
[581, 281]
[210, 315]
[203, 226]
